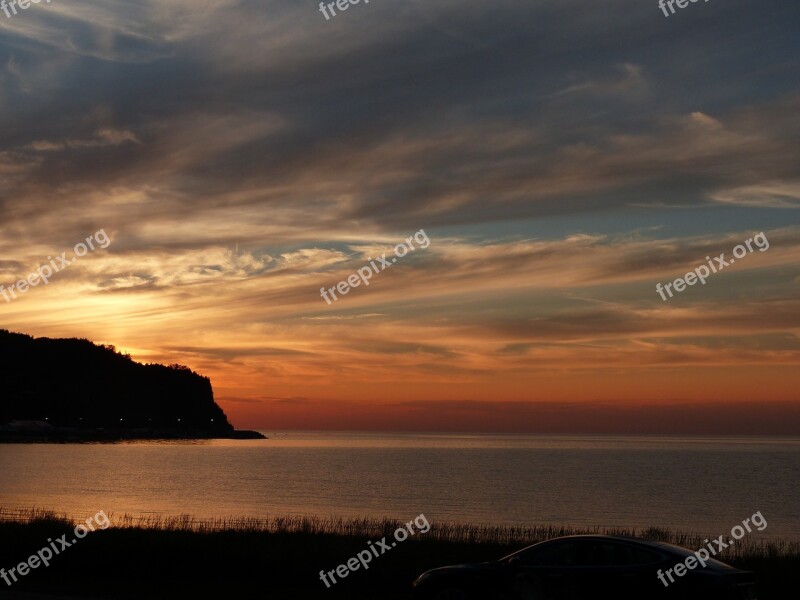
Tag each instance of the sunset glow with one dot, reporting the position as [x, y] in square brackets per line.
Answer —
[556, 195]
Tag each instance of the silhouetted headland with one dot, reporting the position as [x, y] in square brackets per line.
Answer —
[71, 390]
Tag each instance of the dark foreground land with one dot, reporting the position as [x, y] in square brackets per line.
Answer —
[281, 558]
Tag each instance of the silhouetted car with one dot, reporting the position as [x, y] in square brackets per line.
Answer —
[586, 567]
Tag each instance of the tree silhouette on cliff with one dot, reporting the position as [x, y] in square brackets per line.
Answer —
[77, 384]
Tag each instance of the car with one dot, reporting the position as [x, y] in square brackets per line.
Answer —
[584, 567]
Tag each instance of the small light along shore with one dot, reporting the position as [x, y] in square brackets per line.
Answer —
[155, 557]
[80, 436]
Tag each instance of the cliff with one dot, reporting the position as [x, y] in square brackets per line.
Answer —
[72, 389]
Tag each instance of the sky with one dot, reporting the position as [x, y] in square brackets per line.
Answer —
[562, 158]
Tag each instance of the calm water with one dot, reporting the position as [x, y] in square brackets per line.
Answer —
[704, 485]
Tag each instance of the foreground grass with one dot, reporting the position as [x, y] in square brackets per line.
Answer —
[184, 557]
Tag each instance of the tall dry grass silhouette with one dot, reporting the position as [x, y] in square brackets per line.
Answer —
[373, 528]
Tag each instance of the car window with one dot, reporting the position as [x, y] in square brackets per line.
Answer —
[594, 553]
[555, 554]
[587, 553]
[626, 555]
[612, 554]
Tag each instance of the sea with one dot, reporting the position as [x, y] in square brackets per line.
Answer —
[704, 485]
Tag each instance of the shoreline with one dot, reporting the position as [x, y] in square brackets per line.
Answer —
[111, 436]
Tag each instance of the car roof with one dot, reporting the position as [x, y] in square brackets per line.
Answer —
[597, 537]
[663, 547]
[657, 546]
[612, 538]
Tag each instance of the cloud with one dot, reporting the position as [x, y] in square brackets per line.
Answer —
[272, 113]
[780, 194]
[629, 80]
[104, 137]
